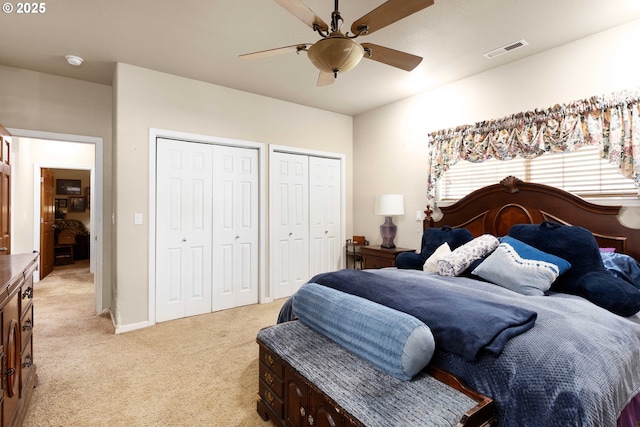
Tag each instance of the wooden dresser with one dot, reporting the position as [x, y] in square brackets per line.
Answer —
[16, 313]
[379, 257]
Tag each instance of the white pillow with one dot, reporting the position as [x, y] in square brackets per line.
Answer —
[431, 264]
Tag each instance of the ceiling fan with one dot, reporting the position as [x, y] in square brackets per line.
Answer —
[337, 52]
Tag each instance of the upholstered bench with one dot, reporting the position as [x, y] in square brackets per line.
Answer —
[306, 380]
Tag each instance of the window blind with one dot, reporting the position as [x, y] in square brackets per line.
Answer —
[581, 172]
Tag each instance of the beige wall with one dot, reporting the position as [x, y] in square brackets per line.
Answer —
[390, 149]
[46, 103]
[145, 99]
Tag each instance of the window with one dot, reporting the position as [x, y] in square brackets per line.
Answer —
[581, 172]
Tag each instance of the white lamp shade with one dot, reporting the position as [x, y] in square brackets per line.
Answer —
[389, 204]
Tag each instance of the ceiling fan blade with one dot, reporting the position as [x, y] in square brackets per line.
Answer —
[303, 13]
[388, 13]
[326, 79]
[395, 58]
[277, 51]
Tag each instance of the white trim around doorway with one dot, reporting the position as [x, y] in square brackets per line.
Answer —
[96, 202]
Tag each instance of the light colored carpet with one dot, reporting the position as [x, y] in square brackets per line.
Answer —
[197, 371]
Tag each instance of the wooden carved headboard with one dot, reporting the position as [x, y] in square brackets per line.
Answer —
[495, 208]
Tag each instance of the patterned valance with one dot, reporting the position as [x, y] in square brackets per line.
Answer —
[612, 122]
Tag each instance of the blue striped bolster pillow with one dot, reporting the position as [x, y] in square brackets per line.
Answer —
[393, 341]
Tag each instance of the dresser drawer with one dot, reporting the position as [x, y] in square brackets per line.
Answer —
[375, 262]
[27, 367]
[275, 403]
[270, 361]
[272, 380]
[26, 326]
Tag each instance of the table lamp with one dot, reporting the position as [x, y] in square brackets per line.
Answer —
[389, 205]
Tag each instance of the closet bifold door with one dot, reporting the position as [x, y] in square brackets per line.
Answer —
[325, 248]
[289, 219]
[235, 227]
[183, 229]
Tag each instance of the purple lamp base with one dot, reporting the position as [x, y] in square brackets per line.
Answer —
[388, 232]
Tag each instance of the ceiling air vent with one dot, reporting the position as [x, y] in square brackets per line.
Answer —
[505, 49]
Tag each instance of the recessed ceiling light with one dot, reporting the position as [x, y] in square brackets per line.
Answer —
[74, 60]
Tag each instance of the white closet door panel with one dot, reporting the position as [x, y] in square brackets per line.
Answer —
[325, 214]
[289, 216]
[183, 228]
[236, 230]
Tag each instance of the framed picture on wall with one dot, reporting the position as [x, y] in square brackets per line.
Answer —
[70, 187]
[76, 204]
[61, 203]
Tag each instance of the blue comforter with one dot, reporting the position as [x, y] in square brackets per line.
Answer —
[579, 365]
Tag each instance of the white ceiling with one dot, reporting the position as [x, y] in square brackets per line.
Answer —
[201, 39]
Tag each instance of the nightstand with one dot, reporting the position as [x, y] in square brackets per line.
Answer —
[378, 257]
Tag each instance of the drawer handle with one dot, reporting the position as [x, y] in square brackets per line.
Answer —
[269, 359]
[311, 420]
[269, 397]
[303, 411]
[28, 363]
[268, 378]
[27, 325]
[28, 293]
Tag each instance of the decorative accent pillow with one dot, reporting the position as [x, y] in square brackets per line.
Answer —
[461, 258]
[431, 264]
[393, 341]
[587, 276]
[522, 268]
[432, 239]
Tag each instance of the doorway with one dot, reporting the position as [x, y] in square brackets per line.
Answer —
[35, 150]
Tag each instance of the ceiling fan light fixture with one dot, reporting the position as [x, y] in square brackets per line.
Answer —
[335, 54]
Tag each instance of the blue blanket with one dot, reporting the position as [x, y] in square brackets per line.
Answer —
[460, 324]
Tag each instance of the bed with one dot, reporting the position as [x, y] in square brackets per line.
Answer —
[574, 358]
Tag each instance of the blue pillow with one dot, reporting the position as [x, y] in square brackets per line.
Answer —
[522, 268]
[587, 276]
[395, 342]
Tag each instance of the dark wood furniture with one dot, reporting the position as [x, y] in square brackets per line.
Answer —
[16, 312]
[495, 208]
[289, 399]
[379, 257]
[63, 250]
[5, 191]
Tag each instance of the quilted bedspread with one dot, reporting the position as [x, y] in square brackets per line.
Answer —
[578, 366]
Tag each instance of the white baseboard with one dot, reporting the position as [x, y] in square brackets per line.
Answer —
[131, 327]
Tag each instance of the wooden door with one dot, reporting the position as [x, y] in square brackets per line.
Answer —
[183, 229]
[325, 215]
[5, 192]
[47, 221]
[289, 218]
[235, 227]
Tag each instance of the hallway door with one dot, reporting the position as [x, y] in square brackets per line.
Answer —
[47, 221]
